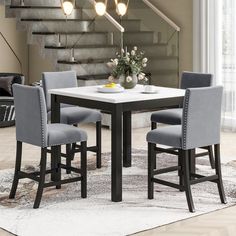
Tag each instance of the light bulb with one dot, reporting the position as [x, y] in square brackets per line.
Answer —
[67, 7]
[100, 8]
[121, 9]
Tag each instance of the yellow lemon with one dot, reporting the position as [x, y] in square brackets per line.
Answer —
[110, 85]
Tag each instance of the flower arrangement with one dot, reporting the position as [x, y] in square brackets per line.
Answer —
[128, 64]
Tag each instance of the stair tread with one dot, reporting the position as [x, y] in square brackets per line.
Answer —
[89, 61]
[69, 19]
[87, 32]
[94, 77]
[35, 7]
[54, 19]
[69, 33]
[81, 46]
[103, 46]
[106, 60]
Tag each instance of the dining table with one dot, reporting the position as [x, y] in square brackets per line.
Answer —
[120, 106]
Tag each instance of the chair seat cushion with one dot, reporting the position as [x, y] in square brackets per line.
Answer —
[59, 134]
[74, 115]
[169, 135]
[169, 116]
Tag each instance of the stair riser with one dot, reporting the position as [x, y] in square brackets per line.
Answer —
[129, 25]
[83, 54]
[56, 26]
[86, 39]
[138, 38]
[152, 51]
[42, 14]
[35, 2]
[86, 69]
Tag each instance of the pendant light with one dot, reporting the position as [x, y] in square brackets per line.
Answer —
[100, 7]
[67, 6]
[121, 7]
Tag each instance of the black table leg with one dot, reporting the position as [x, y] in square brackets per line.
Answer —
[55, 118]
[116, 154]
[127, 139]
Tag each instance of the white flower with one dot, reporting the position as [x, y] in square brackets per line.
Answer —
[128, 54]
[122, 50]
[144, 64]
[127, 59]
[129, 79]
[133, 52]
[111, 78]
[141, 76]
[145, 60]
[135, 48]
[115, 61]
[146, 79]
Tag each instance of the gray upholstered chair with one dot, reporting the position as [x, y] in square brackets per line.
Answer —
[72, 115]
[200, 127]
[32, 128]
[174, 116]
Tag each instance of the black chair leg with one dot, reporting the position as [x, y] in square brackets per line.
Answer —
[187, 180]
[99, 143]
[17, 169]
[58, 168]
[151, 161]
[154, 126]
[211, 157]
[68, 158]
[43, 164]
[180, 172]
[84, 169]
[192, 162]
[218, 172]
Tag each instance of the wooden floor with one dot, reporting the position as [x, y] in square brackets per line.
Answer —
[218, 223]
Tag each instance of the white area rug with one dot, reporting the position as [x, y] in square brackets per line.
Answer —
[63, 212]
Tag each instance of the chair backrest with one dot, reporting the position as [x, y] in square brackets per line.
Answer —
[56, 80]
[31, 115]
[195, 80]
[201, 117]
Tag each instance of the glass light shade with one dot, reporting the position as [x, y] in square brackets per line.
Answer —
[67, 7]
[100, 8]
[121, 8]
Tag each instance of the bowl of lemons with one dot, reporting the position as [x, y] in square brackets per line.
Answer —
[111, 88]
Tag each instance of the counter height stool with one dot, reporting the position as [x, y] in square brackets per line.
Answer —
[32, 128]
[200, 127]
[72, 115]
[174, 116]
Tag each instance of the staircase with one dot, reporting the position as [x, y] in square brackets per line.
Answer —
[95, 40]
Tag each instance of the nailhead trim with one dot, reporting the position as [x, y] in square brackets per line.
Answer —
[186, 106]
[42, 127]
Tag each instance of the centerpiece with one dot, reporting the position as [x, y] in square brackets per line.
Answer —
[128, 68]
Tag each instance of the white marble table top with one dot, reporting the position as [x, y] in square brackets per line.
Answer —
[129, 95]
